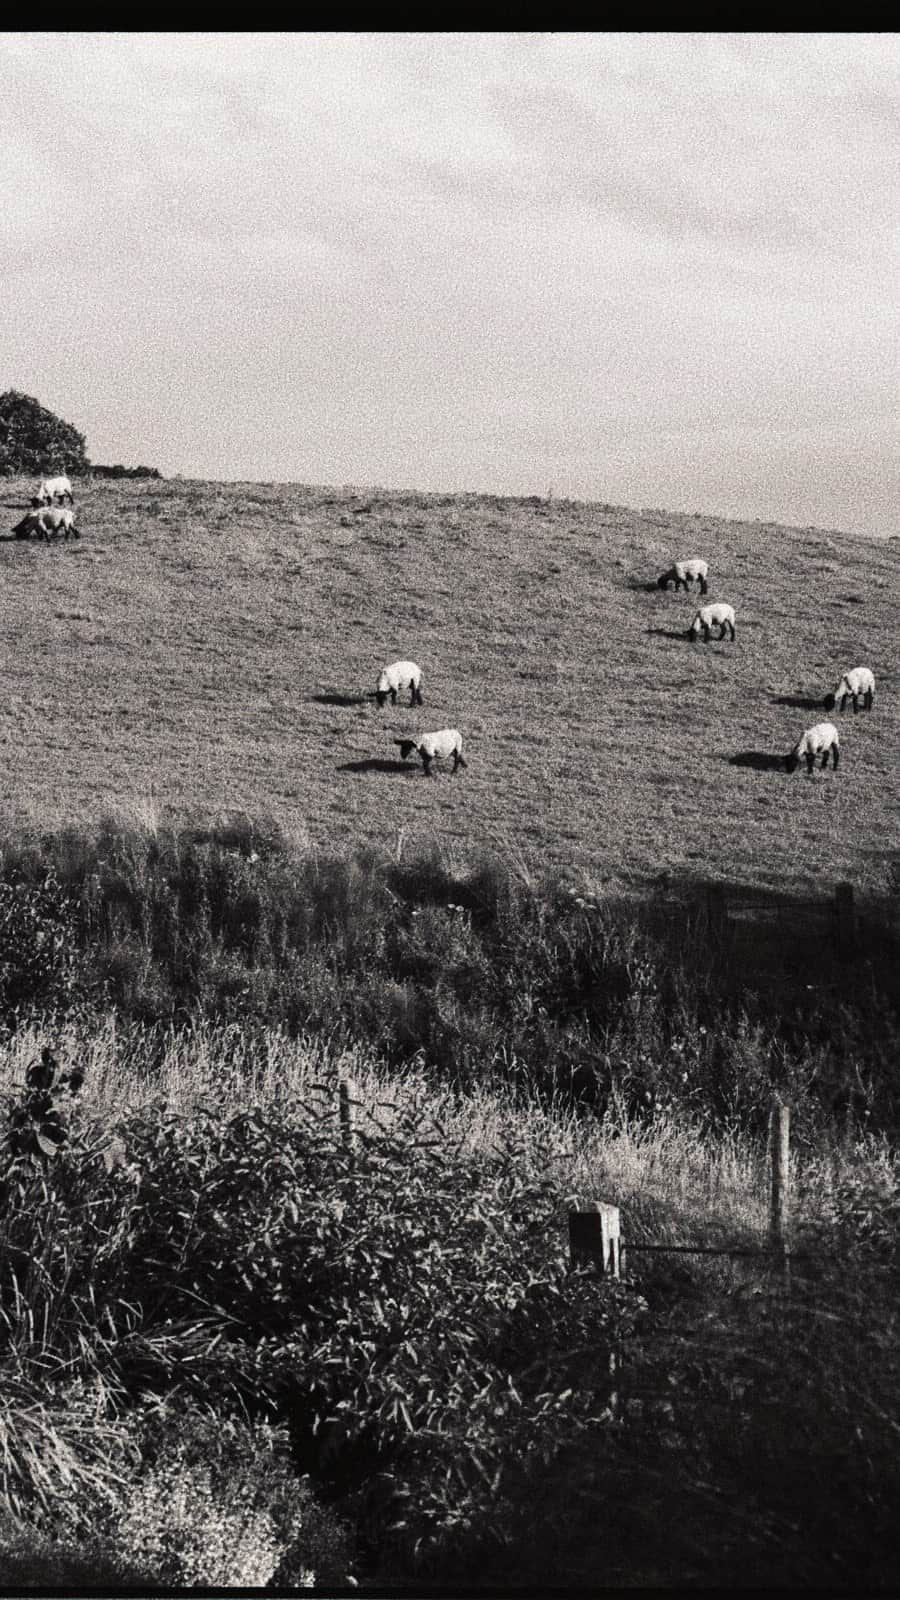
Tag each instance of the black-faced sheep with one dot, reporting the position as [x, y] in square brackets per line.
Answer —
[51, 489]
[684, 573]
[447, 742]
[816, 741]
[719, 616]
[857, 684]
[49, 520]
[398, 676]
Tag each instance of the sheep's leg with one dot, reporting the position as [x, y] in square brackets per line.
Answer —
[824, 762]
[731, 626]
[870, 696]
[705, 633]
[704, 586]
[810, 763]
[855, 704]
[426, 764]
[835, 756]
[419, 700]
[393, 697]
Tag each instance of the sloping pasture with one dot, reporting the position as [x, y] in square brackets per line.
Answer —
[210, 647]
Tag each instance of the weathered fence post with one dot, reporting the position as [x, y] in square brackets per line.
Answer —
[846, 918]
[779, 1211]
[595, 1236]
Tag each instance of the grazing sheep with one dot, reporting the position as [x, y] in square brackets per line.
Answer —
[685, 572]
[400, 675]
[448, 742]
[719, 616]
[49, 520]
[55, 489]
[857, 684]
[816, 741]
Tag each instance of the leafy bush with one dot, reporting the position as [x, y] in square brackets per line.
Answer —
[215, 1502]
[34, 441]
[37, 946]
[398, 1307]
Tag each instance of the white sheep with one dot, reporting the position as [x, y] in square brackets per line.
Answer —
[54, 489]
[685, 572]
[857, 684]
[719, 616]
[447, 742]
[816, 741]
[400, 675]
[48, 520]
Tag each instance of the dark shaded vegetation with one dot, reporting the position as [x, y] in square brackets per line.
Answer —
[619, 1000]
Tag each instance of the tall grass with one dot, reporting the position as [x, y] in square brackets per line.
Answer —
[481, 972]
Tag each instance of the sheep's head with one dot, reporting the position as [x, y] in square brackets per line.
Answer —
[829, 702]
[407, 746]
[663, 579]
[792, 762]
[381, 696]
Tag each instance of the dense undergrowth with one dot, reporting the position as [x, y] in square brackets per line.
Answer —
[475, 969]
[240, 1348]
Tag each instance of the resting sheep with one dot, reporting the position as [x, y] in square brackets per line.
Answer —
[685, 572]
[54, 489]
[857, 684]
[49, 520]
[448, 742]
[719, 616]
[816, 741]
[400, 675]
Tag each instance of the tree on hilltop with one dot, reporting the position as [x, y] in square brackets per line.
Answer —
[34, 441]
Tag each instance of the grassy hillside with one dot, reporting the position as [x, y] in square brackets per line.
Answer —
[209, 646]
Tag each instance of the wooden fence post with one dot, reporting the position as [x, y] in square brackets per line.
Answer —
[595, 1236]
[779, 1211]
[846, 918]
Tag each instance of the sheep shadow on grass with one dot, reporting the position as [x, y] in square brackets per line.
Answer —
[669, 633]
[335, 699]
[800, 702]
[376, 764]
[758, 761]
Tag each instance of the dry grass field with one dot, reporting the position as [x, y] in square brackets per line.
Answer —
[212, 647]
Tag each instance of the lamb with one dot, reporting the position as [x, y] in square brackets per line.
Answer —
[48, 520]
[857, 684]
[684, 572]
[447, 742]
[719, 616]
[54, 489]
[400, 675]
[816, 741]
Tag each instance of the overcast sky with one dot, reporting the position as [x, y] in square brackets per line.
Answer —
[653, 269]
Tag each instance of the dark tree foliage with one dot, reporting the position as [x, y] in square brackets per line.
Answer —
[34, 441]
